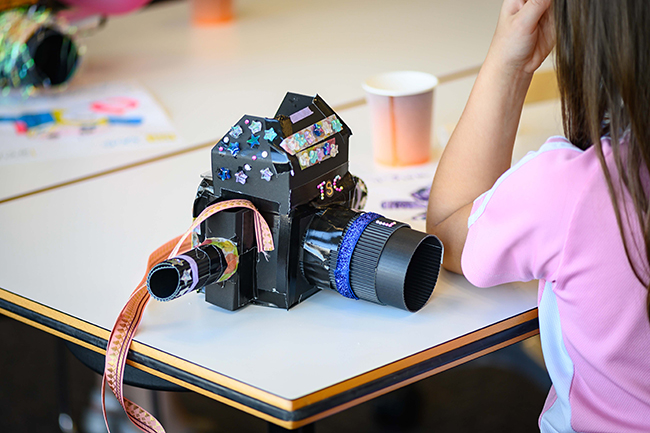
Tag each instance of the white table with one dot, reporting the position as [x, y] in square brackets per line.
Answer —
[71, 255]
[205, 76]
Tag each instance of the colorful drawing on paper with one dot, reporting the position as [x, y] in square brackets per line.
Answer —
[418, 201]
[81, 122]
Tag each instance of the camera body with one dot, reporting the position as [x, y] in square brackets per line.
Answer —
[292, 171]
[290, 167]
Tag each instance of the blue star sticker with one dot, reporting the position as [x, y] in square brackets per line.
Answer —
[234, 149]
[224, 173]
[254, 141]
[270, 134]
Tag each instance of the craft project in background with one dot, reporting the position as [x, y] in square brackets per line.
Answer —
[85, 121]
[37, 50]
[401, 112]
[38, 46]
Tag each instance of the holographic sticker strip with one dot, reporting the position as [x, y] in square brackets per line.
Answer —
[130, 317]
[312, 134]
[318, 153]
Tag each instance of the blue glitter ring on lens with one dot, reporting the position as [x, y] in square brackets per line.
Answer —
[350, 239]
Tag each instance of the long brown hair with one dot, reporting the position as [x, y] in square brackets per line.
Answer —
[603, 68]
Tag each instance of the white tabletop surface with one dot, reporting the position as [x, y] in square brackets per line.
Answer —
[81, 249]
[203, 76]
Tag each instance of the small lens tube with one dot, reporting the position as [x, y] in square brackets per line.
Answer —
[187, 272]
[372, 258]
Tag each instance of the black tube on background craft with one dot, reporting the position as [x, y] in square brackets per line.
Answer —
[55, 57]
[38, 49]
[189, 271]
[366, 256]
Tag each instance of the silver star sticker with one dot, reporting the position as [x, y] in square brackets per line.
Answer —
[187, 277]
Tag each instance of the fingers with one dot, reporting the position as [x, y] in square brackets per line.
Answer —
[532, 11]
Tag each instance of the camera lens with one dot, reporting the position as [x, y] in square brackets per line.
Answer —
[366, 256]
[189, 271]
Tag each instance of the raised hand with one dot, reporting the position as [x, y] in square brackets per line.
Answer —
[524, 36]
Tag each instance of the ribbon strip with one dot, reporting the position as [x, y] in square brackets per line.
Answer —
[130, 317]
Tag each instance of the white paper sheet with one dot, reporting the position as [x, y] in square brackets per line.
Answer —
[100, 119]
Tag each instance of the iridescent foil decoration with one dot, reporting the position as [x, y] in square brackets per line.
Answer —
[37, 50]
[317, 154]
[266, 174]
[310, 135]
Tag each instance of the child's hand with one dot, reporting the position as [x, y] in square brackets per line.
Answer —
[524, 36]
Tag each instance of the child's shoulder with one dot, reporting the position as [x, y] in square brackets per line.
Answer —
[557, 166]
[556, 150]
[552, 174]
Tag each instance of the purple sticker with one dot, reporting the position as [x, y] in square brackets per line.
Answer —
[299, 115]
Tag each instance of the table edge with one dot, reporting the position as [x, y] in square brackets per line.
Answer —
[265, 405]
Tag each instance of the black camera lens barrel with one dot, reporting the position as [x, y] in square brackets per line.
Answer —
[184, 273]
[408, 268]
[370, 257]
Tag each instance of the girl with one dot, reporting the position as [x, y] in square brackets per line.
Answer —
[576, 214]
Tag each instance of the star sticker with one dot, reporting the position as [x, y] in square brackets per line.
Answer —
[236, 131]
[187, 277]
[254, 141]
[270, 134]
[335, 150]
[241, 177]
[234, 149]
[255, 127]
[224, 173]
[266, 174]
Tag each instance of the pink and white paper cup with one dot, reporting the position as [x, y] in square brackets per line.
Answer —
[401, 116]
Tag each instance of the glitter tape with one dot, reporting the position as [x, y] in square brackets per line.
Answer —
[349, 242]
[318, 153]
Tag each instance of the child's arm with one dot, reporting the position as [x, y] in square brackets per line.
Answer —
[480, 149]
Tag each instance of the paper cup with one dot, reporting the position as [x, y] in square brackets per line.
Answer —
[401, 111]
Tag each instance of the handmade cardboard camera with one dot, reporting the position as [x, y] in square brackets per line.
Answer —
[294, 169]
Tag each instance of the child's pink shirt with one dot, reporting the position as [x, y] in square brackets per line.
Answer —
[550, 218]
